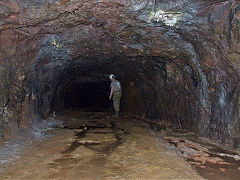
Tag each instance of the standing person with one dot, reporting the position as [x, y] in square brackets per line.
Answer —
[116, 93]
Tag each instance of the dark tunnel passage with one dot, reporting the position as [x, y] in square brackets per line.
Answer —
[87, 96]
[87, 87]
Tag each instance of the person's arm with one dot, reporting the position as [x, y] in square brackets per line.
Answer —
[111, 93]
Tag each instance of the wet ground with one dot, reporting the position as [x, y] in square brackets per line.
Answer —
[93, 146]
[211, 160]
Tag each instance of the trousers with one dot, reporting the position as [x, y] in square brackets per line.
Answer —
[116, 101]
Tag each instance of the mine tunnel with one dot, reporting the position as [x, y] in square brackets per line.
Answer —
[178, 63]
[91, 96]
[87, 87]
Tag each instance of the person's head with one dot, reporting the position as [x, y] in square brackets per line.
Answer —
[111, 77]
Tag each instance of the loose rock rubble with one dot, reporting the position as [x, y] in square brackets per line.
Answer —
[211, 161]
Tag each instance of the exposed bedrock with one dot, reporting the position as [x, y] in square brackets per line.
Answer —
[178, 61]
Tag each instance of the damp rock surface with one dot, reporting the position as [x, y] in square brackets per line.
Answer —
[127, 150]
[178, 62]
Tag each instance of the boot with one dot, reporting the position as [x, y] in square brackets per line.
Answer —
[113, 124]
[116, 114]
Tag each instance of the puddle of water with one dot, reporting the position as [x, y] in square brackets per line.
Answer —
[104, 148]
[81, 134]
[85, 127]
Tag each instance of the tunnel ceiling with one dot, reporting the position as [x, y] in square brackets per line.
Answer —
[178, 60]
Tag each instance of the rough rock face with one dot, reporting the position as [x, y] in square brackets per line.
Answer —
[178, 61]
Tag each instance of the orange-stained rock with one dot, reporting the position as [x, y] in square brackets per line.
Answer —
[185, 69]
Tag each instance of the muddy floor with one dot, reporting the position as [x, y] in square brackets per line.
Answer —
[96, 146]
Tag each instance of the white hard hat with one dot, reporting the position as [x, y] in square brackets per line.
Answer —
[111, 76]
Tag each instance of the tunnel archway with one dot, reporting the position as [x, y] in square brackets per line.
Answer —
[178, 61]
[70, 83]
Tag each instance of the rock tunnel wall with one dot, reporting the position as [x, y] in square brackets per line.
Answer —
[178, 60]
